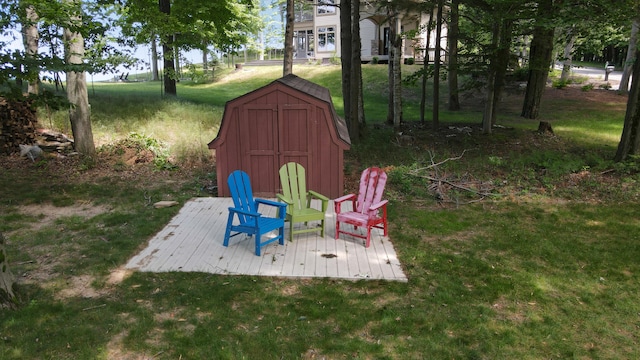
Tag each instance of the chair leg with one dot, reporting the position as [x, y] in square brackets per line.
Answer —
[227, 233]
[368, 237]
[291, 231]
[258, 237]
[322, 228]
[337, 229]
[281, 232]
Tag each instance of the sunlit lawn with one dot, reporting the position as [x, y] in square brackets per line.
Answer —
[546, 268]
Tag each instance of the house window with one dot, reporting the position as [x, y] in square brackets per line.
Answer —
[303, 11]
[326, 39]
[326, 7]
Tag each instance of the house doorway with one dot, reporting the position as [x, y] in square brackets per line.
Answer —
[304, 44]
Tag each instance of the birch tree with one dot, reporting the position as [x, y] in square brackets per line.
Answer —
[79, 113]
[30, 39]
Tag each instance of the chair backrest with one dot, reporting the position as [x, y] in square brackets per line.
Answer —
[241, 193]
[372, 182]
[293, 180]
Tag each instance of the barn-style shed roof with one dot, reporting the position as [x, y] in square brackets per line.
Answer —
[321, 93]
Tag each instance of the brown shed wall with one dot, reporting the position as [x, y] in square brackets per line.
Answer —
[276, 124]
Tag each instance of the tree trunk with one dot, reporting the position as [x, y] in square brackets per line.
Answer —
[453, 34]
[391, 15]
[630, 139]
[567, 55]
[628, 64]
[169, 75]
[346, 51]
[539, 61]
[502, 62]
[425, 69]
[205, 60]
[436, 68]
[176, 59]
[155, 76]
[487, 115]
[357, 104]
[397, 73]
[79, 113]
[30, 38]
[288, 40]
[7, 280]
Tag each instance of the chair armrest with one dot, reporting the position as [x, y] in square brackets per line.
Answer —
[344, 198]
[246, 213]
[284, 199]
[378, 205]
[318, 195]
[270, 202]
[322, 198]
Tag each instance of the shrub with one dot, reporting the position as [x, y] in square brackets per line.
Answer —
[606, 86]
[587, 87]
[560, 84]
[521, 74]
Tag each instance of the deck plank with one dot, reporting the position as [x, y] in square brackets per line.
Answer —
[192, 241]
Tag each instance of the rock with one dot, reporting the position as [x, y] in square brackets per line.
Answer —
[164, 204]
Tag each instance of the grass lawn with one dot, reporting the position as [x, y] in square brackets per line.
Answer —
[517, 245]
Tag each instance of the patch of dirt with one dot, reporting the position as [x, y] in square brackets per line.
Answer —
[78, 286]
[48, 213]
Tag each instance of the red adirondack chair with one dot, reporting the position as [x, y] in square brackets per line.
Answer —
[369, 210]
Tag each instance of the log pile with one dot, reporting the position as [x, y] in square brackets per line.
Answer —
[52, 141]
[18, 124]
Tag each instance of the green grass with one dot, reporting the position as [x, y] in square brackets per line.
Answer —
[546, 267]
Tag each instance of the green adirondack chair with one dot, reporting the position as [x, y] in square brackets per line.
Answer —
[298, 199]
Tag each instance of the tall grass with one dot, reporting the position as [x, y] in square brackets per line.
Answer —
[189, 122]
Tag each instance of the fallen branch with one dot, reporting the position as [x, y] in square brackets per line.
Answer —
[441, 185]
[456, 185]
[413, 172]
[94, 307]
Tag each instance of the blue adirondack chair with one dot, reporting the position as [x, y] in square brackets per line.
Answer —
[245, 210]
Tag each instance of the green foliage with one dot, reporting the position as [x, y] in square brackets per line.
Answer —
[560, 83]
[335, 59]
[406, 183]
[630, 166]
[140, 143]
[521, 73]
[587, 87]
[606, 86]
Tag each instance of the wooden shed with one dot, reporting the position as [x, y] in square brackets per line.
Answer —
[290, 119]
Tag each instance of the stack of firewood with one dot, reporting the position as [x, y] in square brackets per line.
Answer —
[18, 123]
[19, 126]
[52, 141]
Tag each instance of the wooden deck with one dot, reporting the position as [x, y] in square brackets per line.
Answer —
[192, 242]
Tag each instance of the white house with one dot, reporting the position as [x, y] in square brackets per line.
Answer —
[317, 31]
